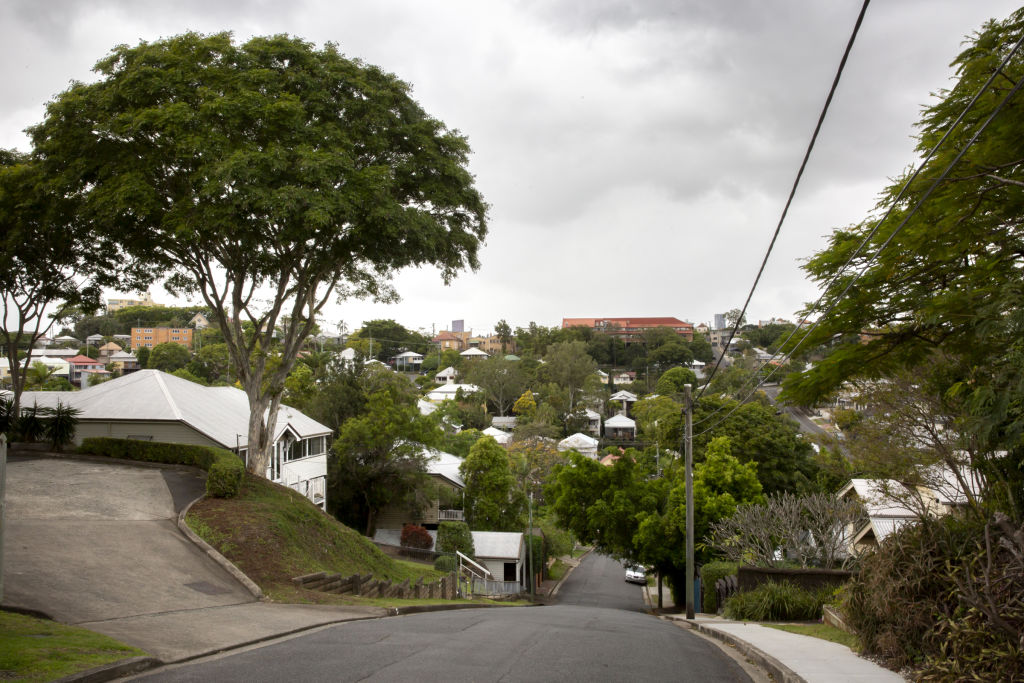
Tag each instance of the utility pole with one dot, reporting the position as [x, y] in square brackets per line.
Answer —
[688, 446]
[529, 550]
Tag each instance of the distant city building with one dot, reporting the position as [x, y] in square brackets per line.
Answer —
[118, 304]
[630, 329]
[719, 321]
[151, 336]
[458, 326]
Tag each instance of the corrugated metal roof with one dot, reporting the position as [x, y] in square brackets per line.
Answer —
[498, 435]
[499, 545]
[445, 465]
[221, 413]
[619, 421]
[577, 440]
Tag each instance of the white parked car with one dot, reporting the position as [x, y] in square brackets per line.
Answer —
[635, 574]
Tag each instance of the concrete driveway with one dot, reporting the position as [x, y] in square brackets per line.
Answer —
[90, 541]
[96, 543]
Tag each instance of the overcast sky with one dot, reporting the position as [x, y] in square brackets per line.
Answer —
[636, 155]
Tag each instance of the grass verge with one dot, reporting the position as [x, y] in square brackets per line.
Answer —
[274, 534]
[34, 649]
[823, 631]
[557, 570]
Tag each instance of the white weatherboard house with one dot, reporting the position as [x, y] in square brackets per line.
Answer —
[150, 405]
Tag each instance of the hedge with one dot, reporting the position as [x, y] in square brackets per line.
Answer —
[224, 468]
[709, 574]
[452, 536]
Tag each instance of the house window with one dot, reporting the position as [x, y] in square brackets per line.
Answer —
[510, 571]
[148, 330]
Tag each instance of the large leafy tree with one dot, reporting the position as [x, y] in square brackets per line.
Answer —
[568, 365]
[378, 459]
[269, 177]
[493, 500]
[785, 459]
[502, 381]
[52, 261]
[169, 357]
[947, 289]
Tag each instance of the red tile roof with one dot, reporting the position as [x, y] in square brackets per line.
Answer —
[84, 360]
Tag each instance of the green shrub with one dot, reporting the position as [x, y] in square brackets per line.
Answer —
[903, 590]
[446, 563]
[559, 541]
[224, 468]
[773, 601]
[709, 574]
[224, 477]
[452, 536]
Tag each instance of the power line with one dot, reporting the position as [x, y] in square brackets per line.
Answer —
[792, 191]
[1013, 91]
[906, 185]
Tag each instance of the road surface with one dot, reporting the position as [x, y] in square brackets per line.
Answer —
[597, 632]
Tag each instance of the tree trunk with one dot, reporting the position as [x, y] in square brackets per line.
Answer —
[262, 417]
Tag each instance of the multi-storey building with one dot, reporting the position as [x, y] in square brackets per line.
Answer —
[631, 329]
[151, 336]
[118, 304]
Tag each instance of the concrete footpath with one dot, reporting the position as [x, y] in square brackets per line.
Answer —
[788, 657]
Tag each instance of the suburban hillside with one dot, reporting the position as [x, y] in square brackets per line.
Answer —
[274, 534]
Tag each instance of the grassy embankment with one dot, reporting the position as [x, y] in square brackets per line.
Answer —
[34, 649]
[274, 534]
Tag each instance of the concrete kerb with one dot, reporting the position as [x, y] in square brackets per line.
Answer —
[779, 671]
[224, 562]
[554, 591]
[109, 672]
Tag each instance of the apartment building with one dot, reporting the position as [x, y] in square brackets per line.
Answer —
[151, 336]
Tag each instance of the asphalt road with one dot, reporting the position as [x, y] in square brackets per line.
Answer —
[596, 633]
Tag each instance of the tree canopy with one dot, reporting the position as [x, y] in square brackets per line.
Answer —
[52, 260]
[269, 177]
[493, 501]
[378, 459]
[946, 290]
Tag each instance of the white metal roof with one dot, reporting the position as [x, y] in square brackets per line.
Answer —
[498, 435]
[446, 373]
[623, 396]
[473, 352]
[445, 465]
[619, 421]
[446, 391]
[877, 496]
[220, 413]
[578, 441]
[409, 354]
[506, 545]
